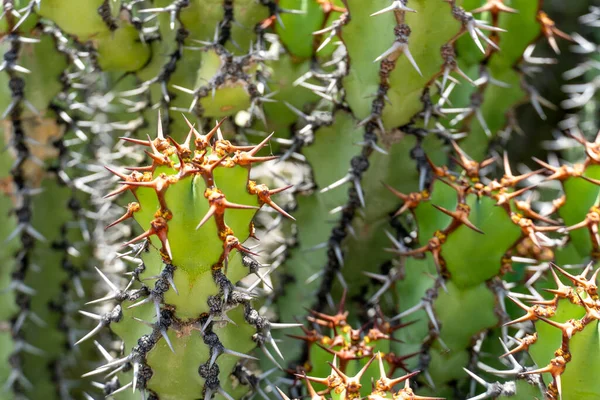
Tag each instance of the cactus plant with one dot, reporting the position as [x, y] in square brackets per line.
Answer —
[48, 246]
[387, 121]
[189, 198]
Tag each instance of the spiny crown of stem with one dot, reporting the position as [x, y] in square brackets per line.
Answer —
[196, 171]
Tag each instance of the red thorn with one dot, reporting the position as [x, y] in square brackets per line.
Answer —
[135, 141]
[148, 168]
[115, 172]
[131, 208]
[116, 192]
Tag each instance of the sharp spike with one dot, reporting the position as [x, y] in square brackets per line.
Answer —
[120, 390]
[90, 334]
[135, 141]
[159, 133]
[165, 336]
[115, 172]
[105, 279]
[211, 211]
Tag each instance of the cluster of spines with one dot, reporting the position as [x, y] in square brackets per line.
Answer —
[534, 247]
[341, 386]
[503, 193]
[238, 61]
[26, 172]
[363, 347]
[359, 163]
[373, 124]
[21, 190]
[583, 294]
[582, 87]
[191, 163]
[208, 155]
[75, 241]
[471, 27]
